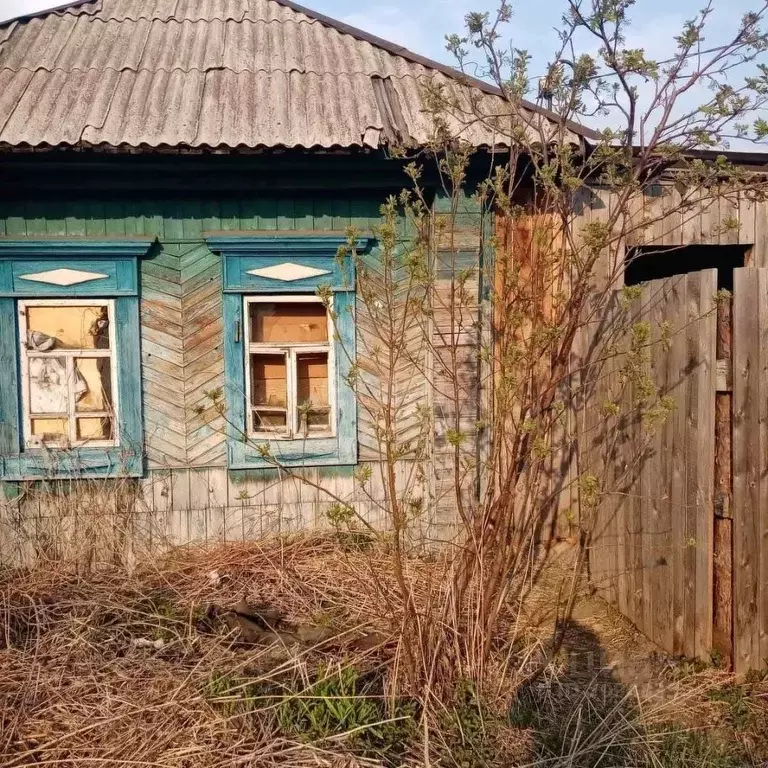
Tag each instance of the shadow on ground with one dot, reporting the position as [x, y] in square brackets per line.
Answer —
[579, 712]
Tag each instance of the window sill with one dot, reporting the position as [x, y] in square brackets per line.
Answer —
[77, 463]
[312, 452]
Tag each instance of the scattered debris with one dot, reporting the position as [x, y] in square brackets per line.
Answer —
[257, 624]
[144, 642]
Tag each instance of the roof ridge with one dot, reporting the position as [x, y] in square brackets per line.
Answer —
[92, 17]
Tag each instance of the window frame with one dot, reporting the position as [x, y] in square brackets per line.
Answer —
[250, 268]
[113, 266]
[24, 358]
[291, 351]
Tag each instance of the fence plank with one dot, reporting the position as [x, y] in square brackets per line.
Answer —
[691, 475]
[760, 524]
[703, 417]
[678, 480]
[658, 621]
[746, 461]
[634, 507]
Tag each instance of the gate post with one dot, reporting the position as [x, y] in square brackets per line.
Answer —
[722, 555]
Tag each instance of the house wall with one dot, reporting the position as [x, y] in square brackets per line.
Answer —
[669, 223]
[188, 493]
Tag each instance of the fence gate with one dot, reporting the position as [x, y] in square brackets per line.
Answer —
[681, 545]
[653, 544]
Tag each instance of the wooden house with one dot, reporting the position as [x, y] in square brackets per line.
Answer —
[175, 181]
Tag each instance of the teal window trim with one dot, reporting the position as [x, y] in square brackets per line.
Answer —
[117, 263]
[241, 256]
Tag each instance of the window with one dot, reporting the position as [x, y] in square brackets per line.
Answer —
[290, 365]
[70, 386]
[67, 373]
[287, 357]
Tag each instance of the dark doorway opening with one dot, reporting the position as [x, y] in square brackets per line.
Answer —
[651, 262]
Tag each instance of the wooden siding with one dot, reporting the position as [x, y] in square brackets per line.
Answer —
[706, 221]
[188, 493]
[177, 220]
[457, 380]
[181, 306]
[182, 356]
[109, 520]
[523, 248]
[397, 361]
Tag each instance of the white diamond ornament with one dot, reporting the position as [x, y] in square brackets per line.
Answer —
[288, 271]
[63, 276]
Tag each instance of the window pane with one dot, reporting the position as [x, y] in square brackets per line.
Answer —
[48, 390]
[269, 421]
[67, 327]
[93, 384]
[312, 392]
[268, 380]
[269, 387]
[284, 322]
[94, 429]
[50, 430]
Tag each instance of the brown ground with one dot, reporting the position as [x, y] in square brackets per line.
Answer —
[182, 663]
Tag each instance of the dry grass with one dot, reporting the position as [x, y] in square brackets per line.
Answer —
[76, 689]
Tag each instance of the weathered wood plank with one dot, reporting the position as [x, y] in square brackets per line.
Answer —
[759, 256]
[760, 525]
[650, 473]
[747, 444]
[632, 522]
[667, 380]
[677, 363]
[722, 550]
[703, 417]
[692, 470]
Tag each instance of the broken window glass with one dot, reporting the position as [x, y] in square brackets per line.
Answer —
[67, 362]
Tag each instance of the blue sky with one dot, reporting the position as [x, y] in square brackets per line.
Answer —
[422, 25]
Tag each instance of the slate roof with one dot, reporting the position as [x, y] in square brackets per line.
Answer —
[217, 74]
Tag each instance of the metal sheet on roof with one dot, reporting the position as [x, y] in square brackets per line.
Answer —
[212, 73]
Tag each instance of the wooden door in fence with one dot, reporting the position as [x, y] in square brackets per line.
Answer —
[750, 469]
[651, 553]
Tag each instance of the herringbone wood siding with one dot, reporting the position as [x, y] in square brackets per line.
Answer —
[182, 332]
[400, 362]
[182, 356]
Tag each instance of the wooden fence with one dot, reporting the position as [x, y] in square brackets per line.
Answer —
[680, 544]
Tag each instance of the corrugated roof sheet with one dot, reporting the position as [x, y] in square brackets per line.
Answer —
[217, 73]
